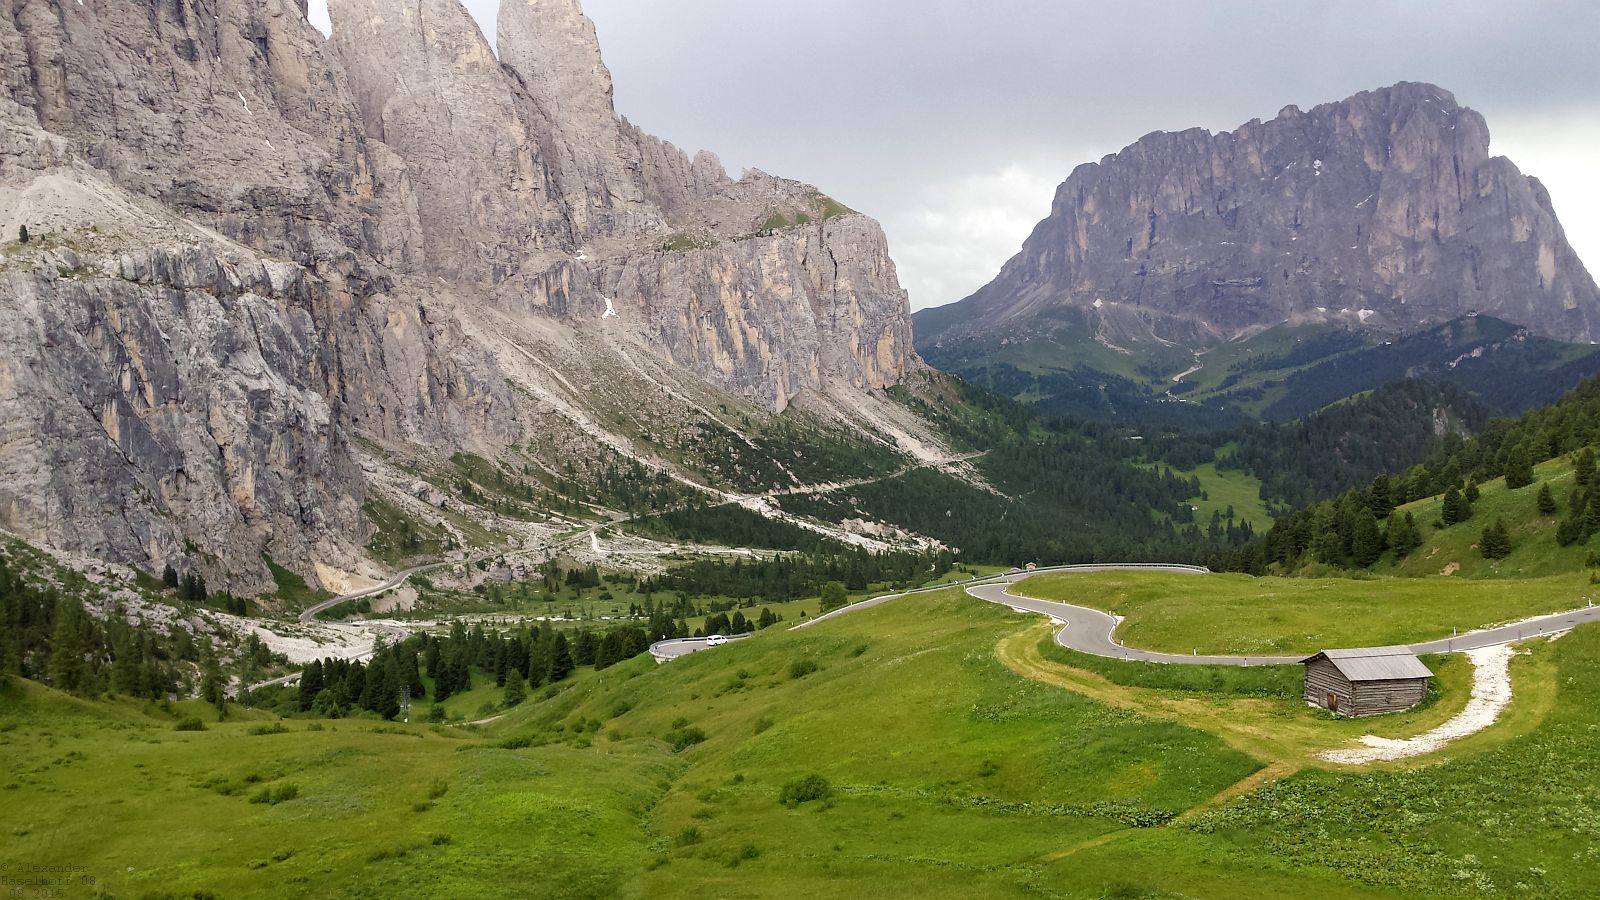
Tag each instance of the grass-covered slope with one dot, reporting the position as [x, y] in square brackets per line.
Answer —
[1535, 550]
[947, 775]
[1446, 504]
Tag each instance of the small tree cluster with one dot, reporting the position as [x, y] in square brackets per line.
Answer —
[1496, 541]
[1404, 535]
[1457, 508]
[834, 596]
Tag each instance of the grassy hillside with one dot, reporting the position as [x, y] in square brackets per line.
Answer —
[1535, 550]
[939, 760]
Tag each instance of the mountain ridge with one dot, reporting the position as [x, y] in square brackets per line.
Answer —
[245, 313]
[1385, 209]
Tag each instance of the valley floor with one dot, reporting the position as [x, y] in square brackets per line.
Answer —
[944, 773]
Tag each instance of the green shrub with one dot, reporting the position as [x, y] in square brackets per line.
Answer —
[189, 723]
[800, 668]
[805, 790]
[683, 738]
[272, 795]
[271, 728]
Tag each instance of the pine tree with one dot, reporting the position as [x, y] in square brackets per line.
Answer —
[1455, 509]
[584, 649]
[1547, 500]
[1519, 468]
[412, 677]
[22, 235]
[124, 661]
[169, 577]
[1380, 497]
[516, 689]
[213, 687]
[1583, 468]
[310, 684]
[10, 637]
[68, 671]
[1367, 543]
[1496, 541]
[1472, 494]
[430, 656]
[393, 681]
[560, 659]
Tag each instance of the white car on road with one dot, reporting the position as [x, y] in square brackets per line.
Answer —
[716, 640]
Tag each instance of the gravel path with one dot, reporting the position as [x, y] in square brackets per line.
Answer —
[1491, 694]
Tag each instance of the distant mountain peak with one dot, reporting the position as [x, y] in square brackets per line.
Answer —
[1385, 210]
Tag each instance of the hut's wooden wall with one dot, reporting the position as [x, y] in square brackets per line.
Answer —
[1322, 679]
[1378, 697]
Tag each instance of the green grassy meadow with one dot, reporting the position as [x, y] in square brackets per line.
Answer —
[1240, 615]
[1222, 490]
[947, 774]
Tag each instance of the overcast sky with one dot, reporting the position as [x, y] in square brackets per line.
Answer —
[953, 121]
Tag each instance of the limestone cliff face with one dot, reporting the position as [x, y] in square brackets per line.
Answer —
[1384, 209]
[529, 182]
[260, 251]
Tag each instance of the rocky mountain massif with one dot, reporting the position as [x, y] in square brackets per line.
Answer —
[1385, 212]
[274, 278]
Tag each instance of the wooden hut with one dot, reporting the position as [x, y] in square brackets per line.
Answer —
[1366, 682]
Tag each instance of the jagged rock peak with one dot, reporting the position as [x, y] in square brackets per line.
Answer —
[553, 45]
[1385, 209]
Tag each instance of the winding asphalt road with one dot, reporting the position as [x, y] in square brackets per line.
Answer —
[1092, 631]
[1510, 634]
[668, 650]
[311, 612]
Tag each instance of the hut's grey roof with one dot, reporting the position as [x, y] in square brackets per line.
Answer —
[1376, 663]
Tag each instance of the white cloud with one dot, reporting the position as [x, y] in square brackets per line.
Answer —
[955, 235]
[1559, 150]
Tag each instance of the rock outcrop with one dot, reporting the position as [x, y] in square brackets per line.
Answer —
[1385, 210]
[261, 251]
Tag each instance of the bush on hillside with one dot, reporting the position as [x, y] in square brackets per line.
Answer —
[805, 790]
